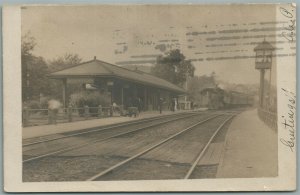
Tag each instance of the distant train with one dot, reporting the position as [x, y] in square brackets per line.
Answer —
[217, 98]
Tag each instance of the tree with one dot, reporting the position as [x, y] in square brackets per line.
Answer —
[62, 62]
[173, 67]
[65, 61]
[27, 44]
[34, 70]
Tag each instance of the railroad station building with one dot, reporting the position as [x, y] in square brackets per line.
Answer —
[122, 84]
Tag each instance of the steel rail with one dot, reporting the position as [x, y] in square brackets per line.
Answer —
[105, 128]
[148, 149]
[205, 148]
[99, 140]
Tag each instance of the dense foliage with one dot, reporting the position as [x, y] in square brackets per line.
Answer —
[35, 83]
[173, 67]
[91, 99]
[62, 62]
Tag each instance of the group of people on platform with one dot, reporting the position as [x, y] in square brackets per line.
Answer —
[135, 105]
[138, 103]
[173, 104]
[135, 102]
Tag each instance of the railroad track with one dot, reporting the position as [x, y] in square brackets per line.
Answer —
[122, 151]
[113, 170]
[65, 135]
[100, 138]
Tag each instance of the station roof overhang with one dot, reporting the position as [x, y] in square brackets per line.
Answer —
[100, 69]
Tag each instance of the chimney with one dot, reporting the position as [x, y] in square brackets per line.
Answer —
[95, 58]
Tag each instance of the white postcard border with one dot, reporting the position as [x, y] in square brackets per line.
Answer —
[286, 180]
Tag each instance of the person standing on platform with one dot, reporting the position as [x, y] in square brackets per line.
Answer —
[140, 103]
[136, 105]
[161, 100]
[115, 107]
[173, 104]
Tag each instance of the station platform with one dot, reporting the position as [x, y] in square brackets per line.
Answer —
[44, 130]
[250, 148]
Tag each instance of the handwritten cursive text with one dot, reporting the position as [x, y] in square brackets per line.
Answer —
[288, 121]
[290, 31]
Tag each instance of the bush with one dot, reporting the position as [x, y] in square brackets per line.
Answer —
[33, 104]
[90, 99]
[44, 102]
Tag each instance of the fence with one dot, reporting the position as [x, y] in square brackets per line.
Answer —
[33, 117]
[268, 117]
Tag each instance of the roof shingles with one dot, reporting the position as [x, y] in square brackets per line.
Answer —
[100, 68]
[264, 46]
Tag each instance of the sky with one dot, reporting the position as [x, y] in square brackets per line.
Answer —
[215, 38]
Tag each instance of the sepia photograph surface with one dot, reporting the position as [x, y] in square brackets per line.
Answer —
[152, 98]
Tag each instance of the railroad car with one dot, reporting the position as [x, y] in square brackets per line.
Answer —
[217, 98]
[237, 99]
[212, 98]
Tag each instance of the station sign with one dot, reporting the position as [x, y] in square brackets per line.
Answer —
[90, 86]
[110, 83]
